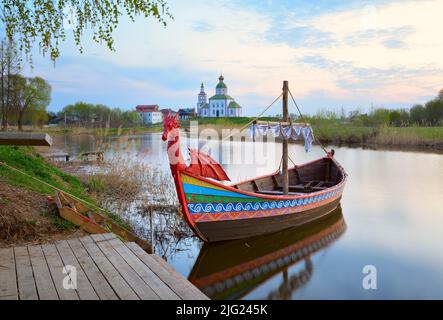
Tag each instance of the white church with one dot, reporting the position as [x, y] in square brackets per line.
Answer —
[220, 105]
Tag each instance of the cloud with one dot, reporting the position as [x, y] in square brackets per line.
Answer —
[388, 53]
[202, 26]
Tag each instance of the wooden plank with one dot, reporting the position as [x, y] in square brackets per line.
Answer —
[8, 282]
[162, 262]
[43, 280]
[98, 281]
[121, 288]
[85, 290]
[93, 222]
[103, 237]
[25, 277]
[25, 139]
[80, 220]
[55, 265]
[132, 278]
[179, 284]
[149, 277]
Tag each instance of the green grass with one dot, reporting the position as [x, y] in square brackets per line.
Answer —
[346, 134]
[30, 162]
[96, 184]
[425, 133]
[27, 160]
[158, 127]
[409, 135]
[224, 122]
[60, 223]
[335, 131]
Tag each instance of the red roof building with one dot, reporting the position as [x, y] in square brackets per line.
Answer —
[149, 114]
[147, 108]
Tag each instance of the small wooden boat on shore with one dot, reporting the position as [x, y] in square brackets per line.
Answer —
[93, 222]
[266, 204]
[232, 270]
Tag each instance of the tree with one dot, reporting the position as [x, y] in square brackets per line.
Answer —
[30, 95]
[9, 66]
[405, 117]
[44, 21]
[394, 118]
[84, 113]
[440, 95]
[418, 114]
[380, 116]
[434, 111]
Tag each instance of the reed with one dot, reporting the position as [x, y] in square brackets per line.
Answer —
[413, 136]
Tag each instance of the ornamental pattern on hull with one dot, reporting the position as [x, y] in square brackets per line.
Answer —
[201, 208]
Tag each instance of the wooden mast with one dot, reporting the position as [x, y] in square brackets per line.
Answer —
[285, 141]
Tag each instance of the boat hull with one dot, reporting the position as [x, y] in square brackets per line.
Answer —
[217, 212]
[245, 228]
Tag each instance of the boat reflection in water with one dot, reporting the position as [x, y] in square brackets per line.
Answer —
[231, 270]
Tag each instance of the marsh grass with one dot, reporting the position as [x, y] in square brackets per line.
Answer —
[141, 194]
[409, 135]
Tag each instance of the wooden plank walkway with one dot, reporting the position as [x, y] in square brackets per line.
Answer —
[105, 269]
[25, 139]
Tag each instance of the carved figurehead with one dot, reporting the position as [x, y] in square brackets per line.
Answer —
[171, 133]
[201, 163]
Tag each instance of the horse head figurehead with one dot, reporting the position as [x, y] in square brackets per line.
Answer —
[169, 123]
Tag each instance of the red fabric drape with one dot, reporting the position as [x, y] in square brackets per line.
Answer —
[205, 166]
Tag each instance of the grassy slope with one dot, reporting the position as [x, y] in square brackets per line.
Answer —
[29, 161]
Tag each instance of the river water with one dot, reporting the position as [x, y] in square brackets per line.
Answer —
[384, 243]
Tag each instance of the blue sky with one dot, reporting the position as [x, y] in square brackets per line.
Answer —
[335, 55]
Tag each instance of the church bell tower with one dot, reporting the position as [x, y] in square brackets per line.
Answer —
[202, 99]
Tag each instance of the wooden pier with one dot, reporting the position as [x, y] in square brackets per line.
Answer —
[105, 269]
[98, 156]
[25, 139]
[56, 156]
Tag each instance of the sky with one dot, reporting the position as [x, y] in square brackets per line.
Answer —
[335, 54]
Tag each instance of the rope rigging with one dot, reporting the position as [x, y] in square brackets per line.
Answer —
[303, 119]
[290, 120]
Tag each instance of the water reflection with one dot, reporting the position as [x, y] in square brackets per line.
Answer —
[231, 270]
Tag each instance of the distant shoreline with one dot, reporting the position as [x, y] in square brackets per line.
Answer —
[409, 138]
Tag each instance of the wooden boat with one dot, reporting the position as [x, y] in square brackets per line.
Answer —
[233, 269]
[265, 204]
[93, 222]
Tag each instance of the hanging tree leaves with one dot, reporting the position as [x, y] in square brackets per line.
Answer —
[44, 21]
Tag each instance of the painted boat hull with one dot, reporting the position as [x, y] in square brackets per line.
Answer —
[217, 212]
[245, 228]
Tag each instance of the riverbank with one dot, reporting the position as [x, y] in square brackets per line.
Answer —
[25, 213]
[158, 127]
[421, 138]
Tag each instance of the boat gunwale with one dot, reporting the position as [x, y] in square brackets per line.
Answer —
[270, 197]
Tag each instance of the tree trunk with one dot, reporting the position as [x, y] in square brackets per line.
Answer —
[20, 121]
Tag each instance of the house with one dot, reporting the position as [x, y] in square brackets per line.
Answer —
[186, 113]
[219, 105]
[149, 114]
